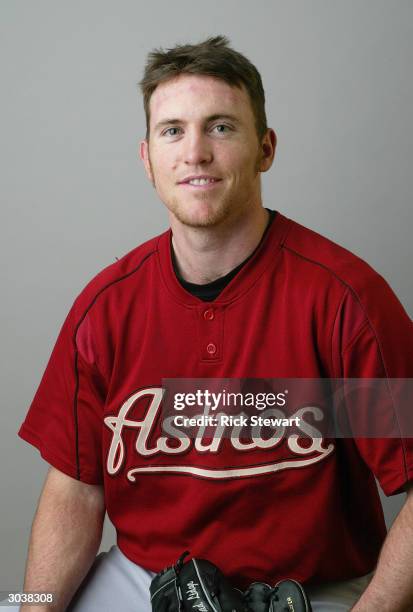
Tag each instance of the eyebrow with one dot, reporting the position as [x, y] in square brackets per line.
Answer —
[165, 122]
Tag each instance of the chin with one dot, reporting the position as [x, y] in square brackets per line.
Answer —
[198, 215]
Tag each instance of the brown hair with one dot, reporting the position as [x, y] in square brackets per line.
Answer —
[212, 57]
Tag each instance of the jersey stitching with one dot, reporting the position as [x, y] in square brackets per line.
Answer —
[333, 329]
[350, 288]
[402, 442]
[76, 359]
[356, 336]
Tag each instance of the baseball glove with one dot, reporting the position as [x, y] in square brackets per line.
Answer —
[285, 596]
[196, 586]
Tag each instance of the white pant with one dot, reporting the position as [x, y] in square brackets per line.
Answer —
[116, 583]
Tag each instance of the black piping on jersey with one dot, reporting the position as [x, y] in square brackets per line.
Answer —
[350, 289]
[75, 399]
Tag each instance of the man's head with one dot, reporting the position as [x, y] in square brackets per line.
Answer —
[213, 57]
[203, 124]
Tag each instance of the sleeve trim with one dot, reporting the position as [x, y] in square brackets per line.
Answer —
[369, 326]
[26, 434]
[394, 486]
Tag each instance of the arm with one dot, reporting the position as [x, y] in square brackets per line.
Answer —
[66, 534]
[391, 588]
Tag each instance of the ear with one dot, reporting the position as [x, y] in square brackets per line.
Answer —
[144, 155]
[268, 145]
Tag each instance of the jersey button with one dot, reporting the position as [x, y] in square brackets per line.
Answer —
[211, 348]
[209, 314]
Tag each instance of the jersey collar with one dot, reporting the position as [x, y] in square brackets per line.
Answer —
[266, 255]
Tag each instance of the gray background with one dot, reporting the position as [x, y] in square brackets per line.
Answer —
[74, 196]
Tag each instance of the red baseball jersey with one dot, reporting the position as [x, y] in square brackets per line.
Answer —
[301, 307]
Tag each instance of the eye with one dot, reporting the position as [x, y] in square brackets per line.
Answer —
[172, 131]
[221, 128]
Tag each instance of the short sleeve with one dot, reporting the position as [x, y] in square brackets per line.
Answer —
[374, 339]
[64, 421]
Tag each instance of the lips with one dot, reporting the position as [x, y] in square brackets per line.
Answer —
[200, 184]
[199, 180]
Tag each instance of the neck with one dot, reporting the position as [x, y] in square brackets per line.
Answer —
[203, 254]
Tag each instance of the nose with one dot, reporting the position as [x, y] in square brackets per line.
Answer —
[197, 149]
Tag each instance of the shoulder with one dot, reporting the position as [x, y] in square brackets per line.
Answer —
[330, 263]
[365, 301]
[325, 258]
[118, 275]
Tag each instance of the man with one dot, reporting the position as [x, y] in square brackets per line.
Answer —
[233, 290]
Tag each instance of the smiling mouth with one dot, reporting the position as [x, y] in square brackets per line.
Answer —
[201, 182]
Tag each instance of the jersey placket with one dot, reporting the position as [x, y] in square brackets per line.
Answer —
[211, 332]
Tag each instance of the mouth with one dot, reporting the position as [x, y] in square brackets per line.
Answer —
[201, 182]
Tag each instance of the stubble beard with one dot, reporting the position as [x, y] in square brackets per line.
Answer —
[202, 214]
[213, 216]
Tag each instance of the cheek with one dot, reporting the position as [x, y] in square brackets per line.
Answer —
[240, 162]
[239, 153]
[162, 165]
[163, 162]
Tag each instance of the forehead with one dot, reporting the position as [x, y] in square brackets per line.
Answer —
[192, 96]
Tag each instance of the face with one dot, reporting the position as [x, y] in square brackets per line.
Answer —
[203, 156]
